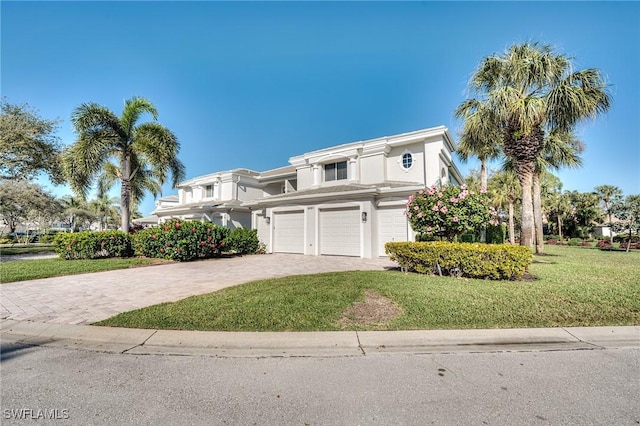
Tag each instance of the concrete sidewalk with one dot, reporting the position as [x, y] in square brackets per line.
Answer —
[314, 344]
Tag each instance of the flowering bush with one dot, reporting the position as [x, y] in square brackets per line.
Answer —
[92, 245]
[449, 211]
[181, 240]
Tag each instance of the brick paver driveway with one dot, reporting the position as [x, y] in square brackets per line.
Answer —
[87, 298]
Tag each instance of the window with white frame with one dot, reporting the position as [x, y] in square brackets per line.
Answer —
[208, 191]
[406, 162]
[335, 171]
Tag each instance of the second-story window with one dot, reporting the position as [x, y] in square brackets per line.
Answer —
[335, 171]
[208, 191]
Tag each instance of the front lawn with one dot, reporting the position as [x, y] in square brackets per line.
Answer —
[21, 270]
[13, 249]
[574, 287]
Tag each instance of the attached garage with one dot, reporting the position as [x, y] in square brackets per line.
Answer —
[392, 227]
[288, 232]
[340, 232]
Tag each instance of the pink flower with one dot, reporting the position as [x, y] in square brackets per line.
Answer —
[420, 215]
[454, 200]
[439, 203]
[455, 219]
[421, 192]
[435, 208]
[444, 209]
[416, 208]
[463, 186]
[429, 229]
[439, 194]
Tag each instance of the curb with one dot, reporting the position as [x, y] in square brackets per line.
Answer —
[314, 344]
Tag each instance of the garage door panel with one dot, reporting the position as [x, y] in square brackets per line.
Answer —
[288, 231]
[392, 227]
[340, 232]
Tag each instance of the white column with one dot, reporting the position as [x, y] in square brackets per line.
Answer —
[317, 174]
[353, 171]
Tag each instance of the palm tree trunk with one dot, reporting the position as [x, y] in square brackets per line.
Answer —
[560, 227]
[537, 213]
[125, 192]
[483, 174]
[512, 227]
[525, 176]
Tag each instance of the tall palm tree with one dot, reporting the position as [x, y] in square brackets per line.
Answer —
[479, 136]
[532, 91]
[76, 210]
[559, 205]
[608, 194]
[504, 190]
[112, 148]
[105, 210]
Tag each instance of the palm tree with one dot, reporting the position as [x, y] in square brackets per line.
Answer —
[608, 194]
[561, 149]
[75, 210]
[504, 190]
[559, 205]
[112, 148]
[532, 91]
[479, 136]
[105, 209]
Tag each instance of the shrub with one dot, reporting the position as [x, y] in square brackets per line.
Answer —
[585, 244]
[243, 241]
[496, 234]
[449, 211]
[181, 240]
[575, 241]
[92, 245]
[462, 259]
[604, 244]
[552, 241]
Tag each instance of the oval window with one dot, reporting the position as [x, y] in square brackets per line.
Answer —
[407, 160]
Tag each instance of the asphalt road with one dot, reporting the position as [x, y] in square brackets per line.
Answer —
[599, 386]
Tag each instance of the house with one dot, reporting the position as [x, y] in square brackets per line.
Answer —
[344, 200]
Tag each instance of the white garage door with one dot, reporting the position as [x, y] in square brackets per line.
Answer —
[392, 226]
[340, 232]
[288, 232]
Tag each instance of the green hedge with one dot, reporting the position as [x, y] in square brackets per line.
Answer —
[92, 245]
[181, 240]
[492, 261]
[243, 241]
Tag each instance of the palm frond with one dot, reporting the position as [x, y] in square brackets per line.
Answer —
[133, 109]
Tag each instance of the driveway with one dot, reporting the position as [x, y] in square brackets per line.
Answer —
[87, 298]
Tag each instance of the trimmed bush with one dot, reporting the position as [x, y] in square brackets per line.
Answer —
[243, 241]
[575, 241]
[181, 240]
[490, 261]
[92, 245]
[496, 234]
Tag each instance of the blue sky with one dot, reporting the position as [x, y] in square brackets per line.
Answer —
[250, 84]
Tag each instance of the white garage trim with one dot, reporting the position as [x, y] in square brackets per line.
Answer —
[288, 232]
[392, 227]
[340, 232]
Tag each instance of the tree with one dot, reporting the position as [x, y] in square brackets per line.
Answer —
[27, 144]
[561, 149]
[479, 137]
[105, 209]
[504, 190]
[585, 212]
[559, 206]
[529, 92]
[628, 212]
[112, 148]
[609, 194]
[19, 199]
[75, 211]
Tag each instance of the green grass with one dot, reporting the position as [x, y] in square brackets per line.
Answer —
[8, 250]
[20, 270]
[573, 287]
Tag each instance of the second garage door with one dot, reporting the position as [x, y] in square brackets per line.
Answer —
[288, 232]
[392, 226]
[340, 232]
